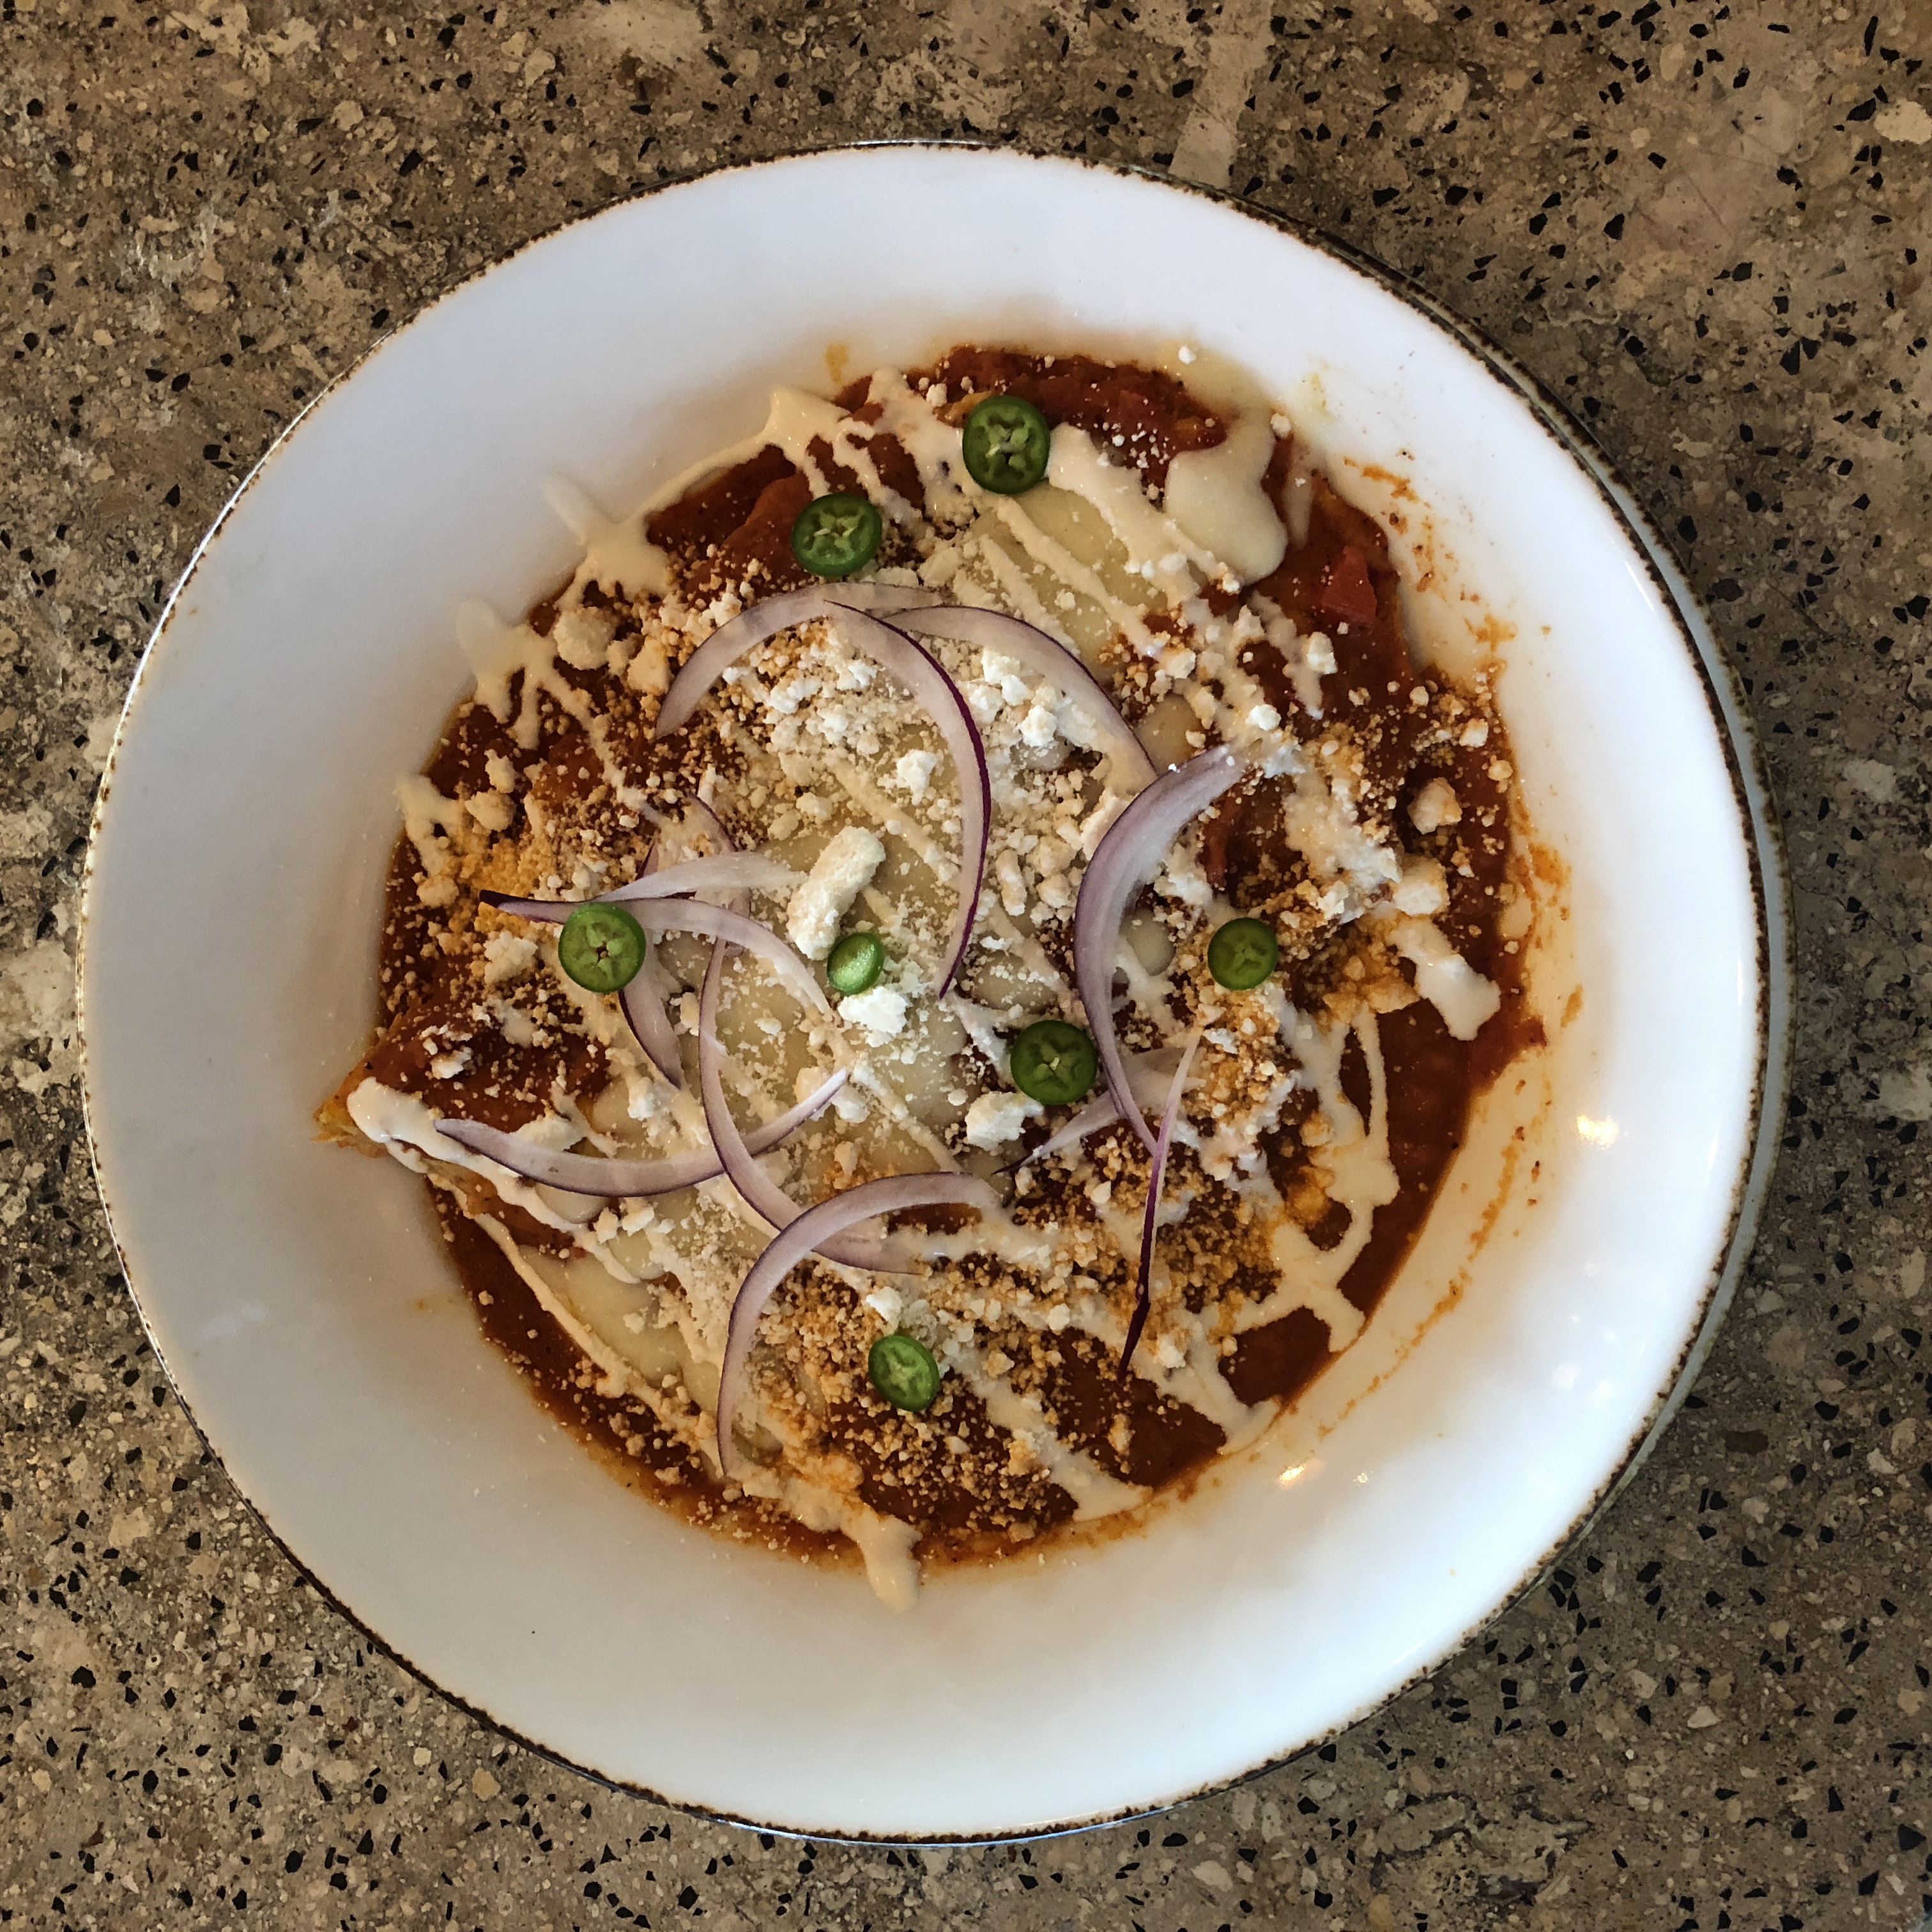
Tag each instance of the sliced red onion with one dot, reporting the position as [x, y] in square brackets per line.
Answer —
[1126, 859]
[729, 872]
[1144, 1289]
[726, 872]
[698, 818]
[751, 628]
[761, 1192]
[625, 1180]
[1149, 1074]
[809, 1232]
[922, 675]
[643, 999]
[915, 667]
[545, 912]
[657, 917]
[709, 922]
[1033, 649]
[643, 1005]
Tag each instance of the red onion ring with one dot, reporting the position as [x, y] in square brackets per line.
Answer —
[762, 1194]
[751, 628]
[1125, 860]
[809, 1233]
[1143, 1287]
[1032, 648]
[915, 667]
[626, 1179]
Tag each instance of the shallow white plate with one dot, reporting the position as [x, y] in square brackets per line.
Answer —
[1566, 1285]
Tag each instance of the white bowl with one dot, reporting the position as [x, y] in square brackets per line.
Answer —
[1567, 1281]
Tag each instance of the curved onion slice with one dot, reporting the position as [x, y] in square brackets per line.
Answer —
[643, 999]
[695, 819]
[1149, 1074]
[1125, 860]
[625, 1180]
[728, 872]
[1035, 652]
[761, 1192]
[751, 628]
[810, 1231]
[900, 657]
[708, 922]
[1150, 1221]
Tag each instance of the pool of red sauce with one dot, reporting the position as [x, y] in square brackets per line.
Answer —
[739, 525]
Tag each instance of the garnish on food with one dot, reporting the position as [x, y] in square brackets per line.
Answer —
[602, 947]
[902, 1369]
[1006, 445]
[856, 962]
[836, 535]
[1243, 953]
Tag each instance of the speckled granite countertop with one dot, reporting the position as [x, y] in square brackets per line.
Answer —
[1696, 222]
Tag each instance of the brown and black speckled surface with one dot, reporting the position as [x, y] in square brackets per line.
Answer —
[1695, 222]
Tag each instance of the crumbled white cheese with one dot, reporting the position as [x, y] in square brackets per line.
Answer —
[794, 692]
[1421, 890]
[649, 671]
[491, 810]
[1180, 877]
[1476, 732]
[881, 1011]
[994, 1119]
[913, 772]
[1003, 672]
[1436, 805]
[582, 637]
[500, 772]
[1318, 654]
[1037, 728]
[505, 956]
[1264, 718]
[887, 1303]
[515, 1025]
[840, 872]
[448, 1066]
[1011, 882]
[1094, 827]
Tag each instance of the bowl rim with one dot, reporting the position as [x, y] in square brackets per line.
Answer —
[1753, 793]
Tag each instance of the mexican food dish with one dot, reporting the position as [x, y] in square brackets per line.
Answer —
[935, 981]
